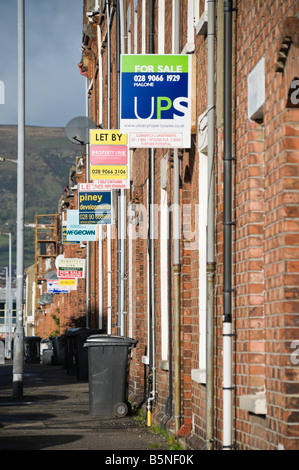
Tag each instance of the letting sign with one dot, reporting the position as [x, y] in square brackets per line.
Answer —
[109, 158]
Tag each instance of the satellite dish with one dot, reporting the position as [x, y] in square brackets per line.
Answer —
[77, 130]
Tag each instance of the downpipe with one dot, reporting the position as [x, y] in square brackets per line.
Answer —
[176, 247]
[152, 345]
[122, 191]
[177, 348]
[109, 250]
[168, 403]
[210, 268]
[227, 230]
[118, 193]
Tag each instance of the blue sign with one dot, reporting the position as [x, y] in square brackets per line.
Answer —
[156, 99]
[95, 207]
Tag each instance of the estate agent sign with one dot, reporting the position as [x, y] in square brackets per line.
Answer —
[156, 100]
[109, 158]
[70, 268]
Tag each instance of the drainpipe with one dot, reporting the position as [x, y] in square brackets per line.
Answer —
[210, 273]
[168, 404]
[100, 229]
[108, 64]
[176, 247]
[227, 230]
[122, 191]
[109, 263]
[121, 198]
[118, 194]
[87, 243]
[152, 345]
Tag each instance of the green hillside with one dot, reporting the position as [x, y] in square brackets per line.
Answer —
[48, 159]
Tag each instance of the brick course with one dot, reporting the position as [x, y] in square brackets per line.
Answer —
[265, 237]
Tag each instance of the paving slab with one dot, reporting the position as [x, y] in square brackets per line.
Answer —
[53, 414]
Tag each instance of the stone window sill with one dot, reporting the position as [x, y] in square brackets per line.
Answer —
[164, 365]
[254, 403]
[199, 376]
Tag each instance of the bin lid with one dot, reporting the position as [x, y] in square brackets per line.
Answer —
[82, 331]
[110, 340]
[77, 331]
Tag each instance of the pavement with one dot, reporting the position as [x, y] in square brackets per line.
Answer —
[53, 414]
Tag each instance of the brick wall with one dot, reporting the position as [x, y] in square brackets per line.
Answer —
[265, 236]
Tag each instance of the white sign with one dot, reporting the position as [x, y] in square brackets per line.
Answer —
[78, 232]
[103, 185]
[54, 287]
[70, 268]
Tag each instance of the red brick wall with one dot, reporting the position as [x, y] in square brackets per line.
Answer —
[265, 237]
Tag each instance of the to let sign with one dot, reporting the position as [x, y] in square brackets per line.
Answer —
[109, 158]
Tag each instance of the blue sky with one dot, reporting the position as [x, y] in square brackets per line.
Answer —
[55, 89]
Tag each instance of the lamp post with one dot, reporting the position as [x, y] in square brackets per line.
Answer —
[8, 320]
[18, 359]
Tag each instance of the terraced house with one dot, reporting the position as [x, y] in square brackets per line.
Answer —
[201, 261]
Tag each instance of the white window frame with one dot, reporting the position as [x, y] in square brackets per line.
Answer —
[164, 235]
[161, 27]
[200, 20]
[199, 375]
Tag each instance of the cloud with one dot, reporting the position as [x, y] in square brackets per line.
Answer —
[55, 90]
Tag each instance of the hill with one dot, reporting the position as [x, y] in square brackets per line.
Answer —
[48, 159]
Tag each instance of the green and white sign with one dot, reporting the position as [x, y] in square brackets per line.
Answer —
[156, 100]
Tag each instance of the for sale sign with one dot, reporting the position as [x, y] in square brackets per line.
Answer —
[156, 100]
[70, 268]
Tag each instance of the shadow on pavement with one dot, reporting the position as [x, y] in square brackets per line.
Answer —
[36, 442]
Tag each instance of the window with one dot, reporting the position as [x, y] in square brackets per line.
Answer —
[201, 16]
[2, 313]
[256, 91]
[14, 312]
[161, 27]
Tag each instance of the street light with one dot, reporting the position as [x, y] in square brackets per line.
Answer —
[8, 320]
[2, 159]
[18, 359]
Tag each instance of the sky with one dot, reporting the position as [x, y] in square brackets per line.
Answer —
[54, 87]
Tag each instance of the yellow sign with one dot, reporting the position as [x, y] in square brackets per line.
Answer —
[107, 137]
[109, 172]
[67, 282]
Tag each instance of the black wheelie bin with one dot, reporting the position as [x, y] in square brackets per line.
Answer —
[32, 349]
[77, 355]
[108, 366]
